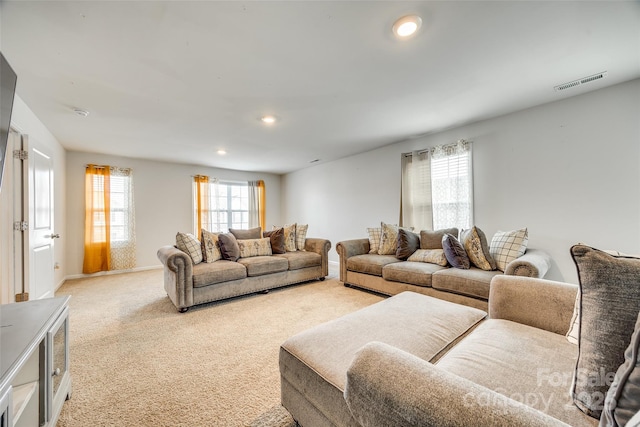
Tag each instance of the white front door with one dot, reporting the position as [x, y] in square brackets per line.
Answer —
[41, 233]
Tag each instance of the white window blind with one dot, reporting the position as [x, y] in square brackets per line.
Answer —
[225, 206]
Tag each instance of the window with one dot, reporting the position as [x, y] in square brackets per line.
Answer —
[109, 219]
[437, 187]
[221, 205]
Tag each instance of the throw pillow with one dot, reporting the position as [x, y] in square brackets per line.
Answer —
[210, 246]
[455, 253]
[229, 247]
[573, 333]
[252, 233]
[432, 256]
[408, 243]
[507, 246]
[289, 237]
[432, 239]
[375, 235]
[388, 239]
[276, 238]
[475, 244]
[254, 247]
[623, 397]
[609, 306]
[188, 244]
[301, 236]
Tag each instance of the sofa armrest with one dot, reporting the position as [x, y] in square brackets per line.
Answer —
[540, 303]
[534, 263]
[347, 249]
[178, 276]
[319, 246]
[389, 387]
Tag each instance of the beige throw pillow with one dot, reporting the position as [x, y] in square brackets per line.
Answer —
[475, 244]
[301, 236]
[507, 246]
[375, 234]
[254, 247]
[432, 256]
[188, 244]
[210, 246]
[289, 237]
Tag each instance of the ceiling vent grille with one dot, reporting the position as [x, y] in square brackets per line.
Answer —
[581, 81]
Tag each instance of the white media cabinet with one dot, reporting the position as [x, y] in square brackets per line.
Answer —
[34, 362]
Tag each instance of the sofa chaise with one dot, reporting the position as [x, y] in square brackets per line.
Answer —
[415, 360]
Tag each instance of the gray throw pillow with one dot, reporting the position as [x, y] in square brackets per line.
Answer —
[277, 240]
[432, 239]
[229, 248]
[623, 399]
[252, 233]
[609, 306]
[455, 253]
[408, 243]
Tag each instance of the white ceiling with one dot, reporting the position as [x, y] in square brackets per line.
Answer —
[178, 80]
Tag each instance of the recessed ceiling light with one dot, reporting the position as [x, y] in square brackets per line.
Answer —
[407, 26]
[222, 152]
[80, 112]
[268, 119]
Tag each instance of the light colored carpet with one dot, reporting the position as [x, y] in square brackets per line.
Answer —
[136, 361]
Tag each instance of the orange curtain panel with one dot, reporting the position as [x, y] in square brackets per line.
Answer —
[262, 205]
[201, 183]
[97, 231]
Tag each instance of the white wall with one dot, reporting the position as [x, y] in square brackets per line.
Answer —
[163, 202]
[26, 122]
[568, 170]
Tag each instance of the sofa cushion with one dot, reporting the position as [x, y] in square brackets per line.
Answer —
[415, 273]
[623, 397]
[609, 306]
[252, 233]
[475, 244]
[261, 265]
[408, 243]
[527, 364]
[508, 245]
[370, 263]
[276, 238]
[473, 282]
[210, 246]
[300, 259]
[432, 239]
[455, 253]
[433, 256]
[254, 247]
[229, 247]
[205, 274]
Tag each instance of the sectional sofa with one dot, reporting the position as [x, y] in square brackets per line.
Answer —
[415, 360]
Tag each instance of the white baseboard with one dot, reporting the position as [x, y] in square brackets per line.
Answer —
[108, 273]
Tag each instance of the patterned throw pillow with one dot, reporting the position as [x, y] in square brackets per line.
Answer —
[375, 235]
[254, 247]
[389, 239]
[432, 256]
[188, 244]
[475, 244]
[301, 236]
[210, 246]
[289, 237]
[455, 253]
[574, 329]
[507, 246]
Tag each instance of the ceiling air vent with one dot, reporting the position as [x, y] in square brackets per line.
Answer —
[581, 81]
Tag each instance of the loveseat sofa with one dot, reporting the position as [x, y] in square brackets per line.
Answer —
[414, 360]
[188, 284]
[388, 275]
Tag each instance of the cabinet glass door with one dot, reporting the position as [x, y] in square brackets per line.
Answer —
[58, 349]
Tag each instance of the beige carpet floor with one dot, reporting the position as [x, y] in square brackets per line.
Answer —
[136, 361]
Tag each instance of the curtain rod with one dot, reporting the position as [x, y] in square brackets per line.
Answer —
[107, 166]
[431, 149]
